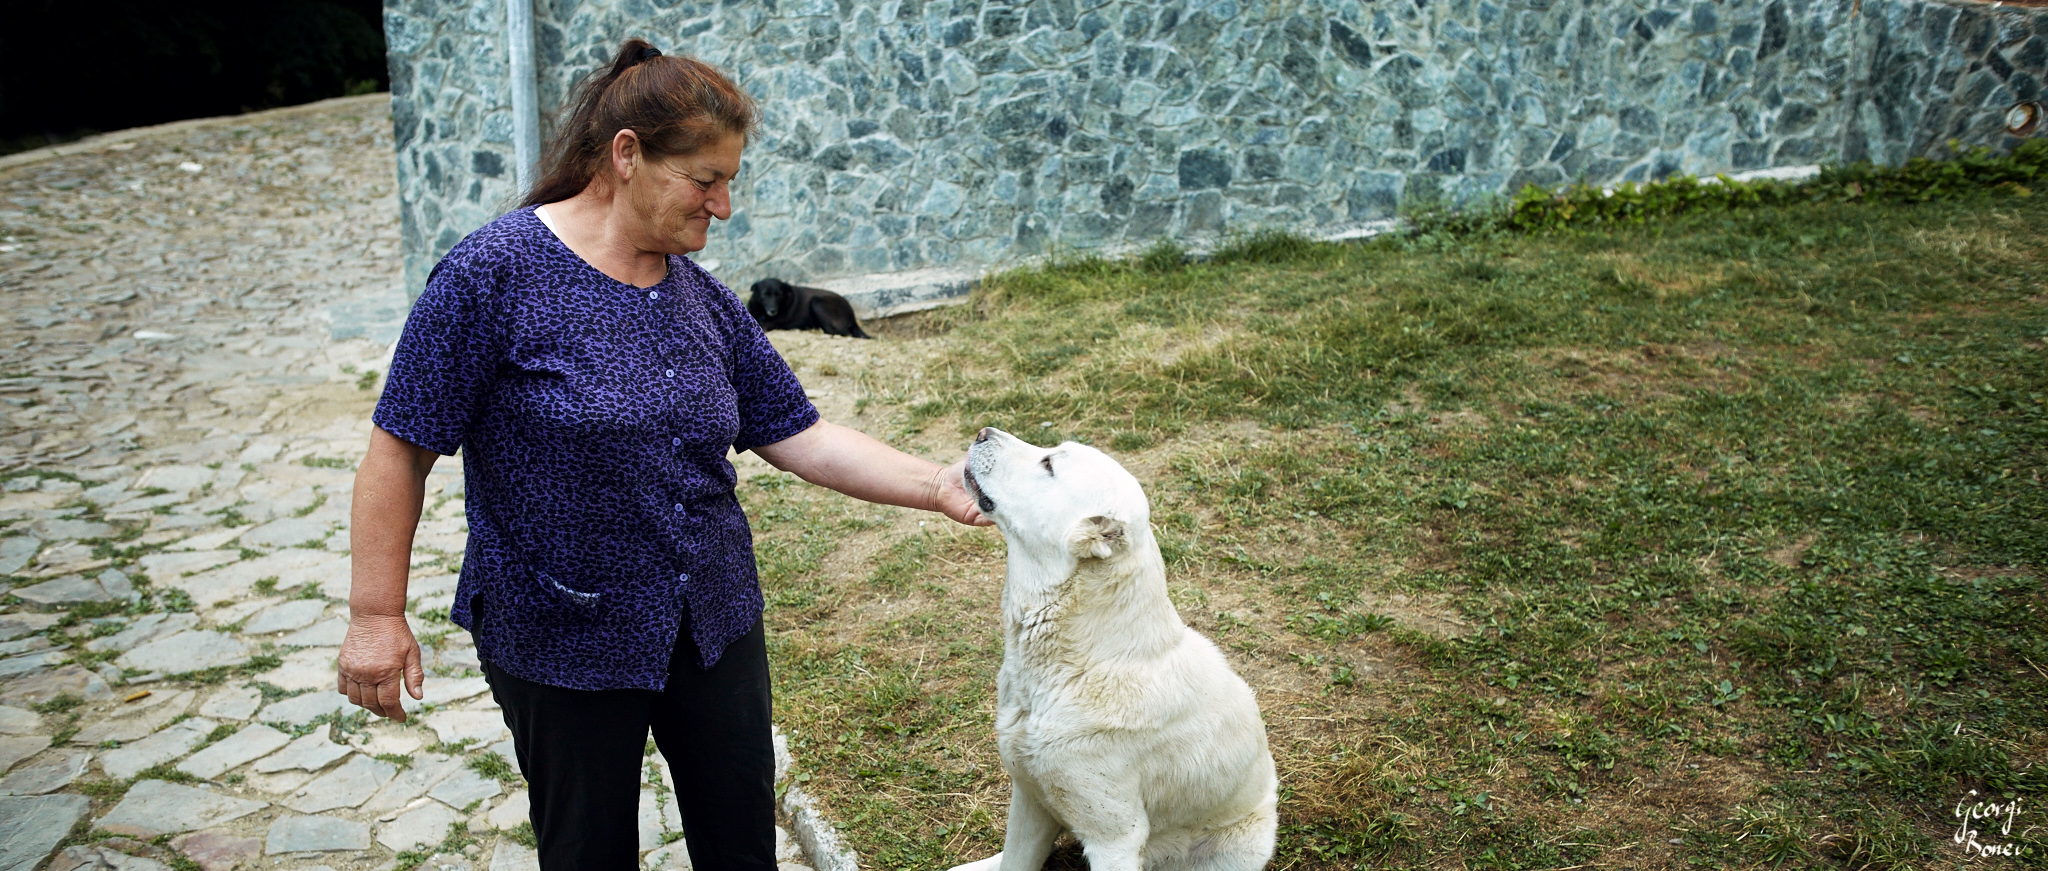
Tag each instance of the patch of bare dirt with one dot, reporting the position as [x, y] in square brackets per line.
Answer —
[1790, 554]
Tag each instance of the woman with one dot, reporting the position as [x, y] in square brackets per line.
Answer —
[595, 380]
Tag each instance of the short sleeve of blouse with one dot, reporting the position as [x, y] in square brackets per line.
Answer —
[772, 404]
[446, 357]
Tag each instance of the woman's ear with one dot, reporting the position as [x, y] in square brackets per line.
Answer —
[625, 154]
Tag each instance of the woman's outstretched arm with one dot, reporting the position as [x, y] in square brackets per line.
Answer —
[855, 463]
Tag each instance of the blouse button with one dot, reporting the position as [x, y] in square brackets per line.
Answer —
[654, 294]
[679, 506]
[678, 441]
[682, 577]
[671, 373]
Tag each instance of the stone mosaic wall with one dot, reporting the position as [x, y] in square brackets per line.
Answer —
[910, 134]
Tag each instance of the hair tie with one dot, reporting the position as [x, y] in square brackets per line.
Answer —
[647, 54]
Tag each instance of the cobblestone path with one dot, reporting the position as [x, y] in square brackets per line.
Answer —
[194, 327]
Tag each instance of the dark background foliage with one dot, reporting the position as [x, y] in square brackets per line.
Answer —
[69, 69]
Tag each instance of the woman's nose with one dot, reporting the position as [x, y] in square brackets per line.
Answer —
[720, 201]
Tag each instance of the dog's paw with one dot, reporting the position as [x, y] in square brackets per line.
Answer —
[989, 864]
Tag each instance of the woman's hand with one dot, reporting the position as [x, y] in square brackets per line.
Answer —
[377, 656]
[952, 498]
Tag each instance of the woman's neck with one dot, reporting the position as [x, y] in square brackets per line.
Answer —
[594, 226]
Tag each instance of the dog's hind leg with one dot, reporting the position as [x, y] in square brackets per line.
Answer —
[1026, 841]
[1114, 837]
[1246, 845]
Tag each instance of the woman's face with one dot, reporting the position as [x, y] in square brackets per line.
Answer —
[677, 196]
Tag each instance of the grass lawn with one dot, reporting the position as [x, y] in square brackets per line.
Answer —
[1712, 543]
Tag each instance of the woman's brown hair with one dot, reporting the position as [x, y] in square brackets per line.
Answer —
[676, 105]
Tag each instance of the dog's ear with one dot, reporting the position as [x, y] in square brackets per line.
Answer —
[1099, 537]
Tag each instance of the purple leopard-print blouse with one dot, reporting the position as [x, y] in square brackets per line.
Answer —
[594, 419]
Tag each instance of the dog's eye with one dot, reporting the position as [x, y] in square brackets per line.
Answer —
[1046, 461]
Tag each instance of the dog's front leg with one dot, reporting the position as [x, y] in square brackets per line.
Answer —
[1028, 839]
[1031, 832]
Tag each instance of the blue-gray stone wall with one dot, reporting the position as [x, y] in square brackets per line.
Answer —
[911, 134]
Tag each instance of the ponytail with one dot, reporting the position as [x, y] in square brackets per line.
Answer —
[675, 105]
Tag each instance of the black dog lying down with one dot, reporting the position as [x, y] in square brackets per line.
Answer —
[778, 305]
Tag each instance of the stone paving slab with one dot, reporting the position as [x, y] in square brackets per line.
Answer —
[142, 629]
[512, 857]
[315, 834]
[31, 663]
[49, 776]
[138, 721]
[66, 680]
[103, 856]
[156, 807]
[328, 633]
[302, 709]
[309, 668]
[218, 851]
[233, 703]
[668, 857]
[427, 770]
[515, 809]
[30, 826]
[287, 532]
[423, 825]
[68, 590]
[235, 579]
[190, 650]
[163, 568]
[253, 742]
[16, 552]
[482, 727]
[14, 748]
[129, 760]
[310, 752]
[284, 616]
[464, 787]
[14, 626]
[442, 692]
[348, 785]
[25, 645]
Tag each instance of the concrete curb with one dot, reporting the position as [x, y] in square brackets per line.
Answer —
[820, 841]
[887, 294]
[101, 141]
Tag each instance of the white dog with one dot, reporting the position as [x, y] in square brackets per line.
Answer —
[1115, 720]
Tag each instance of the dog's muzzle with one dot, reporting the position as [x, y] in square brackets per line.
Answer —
[981, 499]
[978, 456]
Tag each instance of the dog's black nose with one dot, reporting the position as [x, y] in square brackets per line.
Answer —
[984, 434]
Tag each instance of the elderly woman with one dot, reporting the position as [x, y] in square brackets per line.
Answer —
[595, 379]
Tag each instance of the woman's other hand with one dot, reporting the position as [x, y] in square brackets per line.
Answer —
[377, 656]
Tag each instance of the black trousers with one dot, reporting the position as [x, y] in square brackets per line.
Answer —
[582, 754]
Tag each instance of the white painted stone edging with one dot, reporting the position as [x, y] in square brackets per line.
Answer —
[820, 841]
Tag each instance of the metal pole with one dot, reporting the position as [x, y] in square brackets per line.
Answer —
[525, 103]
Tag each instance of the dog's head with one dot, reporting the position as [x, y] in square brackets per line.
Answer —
[1066, 501]
[773, 296]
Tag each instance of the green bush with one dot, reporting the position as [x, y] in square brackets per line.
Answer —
[1918, 180]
